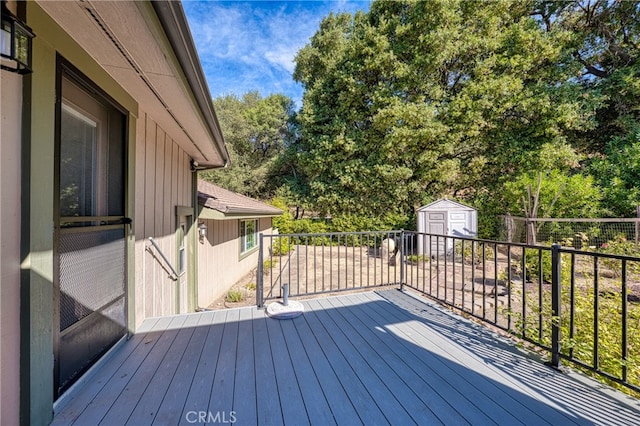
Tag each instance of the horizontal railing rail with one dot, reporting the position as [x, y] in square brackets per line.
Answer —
[580, 306]
[325, 263]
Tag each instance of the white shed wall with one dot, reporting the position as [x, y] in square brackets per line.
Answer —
[445, 218]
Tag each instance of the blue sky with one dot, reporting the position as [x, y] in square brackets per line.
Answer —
[250, 45]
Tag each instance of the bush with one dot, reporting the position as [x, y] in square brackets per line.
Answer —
[620, 245]
[234, 295]
[473, 249]
[532, 264]
[281, 246]
[415, 258]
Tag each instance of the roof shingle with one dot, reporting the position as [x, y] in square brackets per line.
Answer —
[232, 203]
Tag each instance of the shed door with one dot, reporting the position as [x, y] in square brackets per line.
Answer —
[90, 229]
[459, 224]
[436, 224]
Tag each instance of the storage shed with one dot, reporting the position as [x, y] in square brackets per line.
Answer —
[445, 217]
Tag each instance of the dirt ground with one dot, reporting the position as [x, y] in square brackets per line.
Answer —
[481, 286]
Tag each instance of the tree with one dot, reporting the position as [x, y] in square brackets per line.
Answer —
[618, 173]
[257, 131]
[415, 100]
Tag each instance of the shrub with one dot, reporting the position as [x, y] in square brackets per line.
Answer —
[269, 264]
[471, 251]
[415, 258]
[281, 246]
[532, 264]
[234, 295]
[620, 245]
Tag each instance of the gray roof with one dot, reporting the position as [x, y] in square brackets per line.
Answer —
[232, 204]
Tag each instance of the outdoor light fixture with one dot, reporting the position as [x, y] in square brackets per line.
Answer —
[202, 231]
[15, 43]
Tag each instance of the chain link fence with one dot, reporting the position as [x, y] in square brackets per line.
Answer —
[573, 232]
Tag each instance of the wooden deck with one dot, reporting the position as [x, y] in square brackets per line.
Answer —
[368, 358]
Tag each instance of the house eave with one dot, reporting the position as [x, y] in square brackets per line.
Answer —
[147, 48]
[213, 214]
[174, 21]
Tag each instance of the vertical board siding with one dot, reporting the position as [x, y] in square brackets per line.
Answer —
[10, 211]
[139, 211]
[163, 181]
[219, 262]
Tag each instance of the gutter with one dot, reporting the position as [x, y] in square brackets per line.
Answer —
[174, 22]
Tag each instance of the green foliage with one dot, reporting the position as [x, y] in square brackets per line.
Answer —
[618, 173]
[413, 100]
[473, 252]
[419, 99]
[538, 262]
[286, 224]
[234, 295]
[609, 324]
[251, 286]
[561, 195]
[257, 131]
[620, 245]
[281, 246]
[577, 334]
[418, 258]
[268, 264]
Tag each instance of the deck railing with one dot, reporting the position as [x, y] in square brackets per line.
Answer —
[315, 264]
[580, 306]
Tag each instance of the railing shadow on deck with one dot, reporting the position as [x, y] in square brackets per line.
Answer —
[355, 361]
[564, 301]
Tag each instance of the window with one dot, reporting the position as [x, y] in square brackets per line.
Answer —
[182, 254]
[248, 235]
[91, 154]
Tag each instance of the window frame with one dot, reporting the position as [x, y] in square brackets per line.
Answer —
[243, 240]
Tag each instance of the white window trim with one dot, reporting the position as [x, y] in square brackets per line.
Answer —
[243, 238]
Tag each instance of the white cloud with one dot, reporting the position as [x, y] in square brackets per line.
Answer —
[252, 45]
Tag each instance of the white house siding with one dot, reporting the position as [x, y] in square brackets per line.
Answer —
[163, 182]
[10, 153]
[219, 263]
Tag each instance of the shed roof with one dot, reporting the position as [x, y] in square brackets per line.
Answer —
[222, 204]
[445, 204]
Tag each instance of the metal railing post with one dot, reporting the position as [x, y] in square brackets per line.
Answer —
[260, 277]
[556, 288]
[402, 264]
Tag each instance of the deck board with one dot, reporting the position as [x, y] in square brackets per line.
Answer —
[221, 399]
[244, 395]
[382, 384]
[147, 407]
[293, 412]
[170, 410]
[151, 372]
[315, 401]
[268, 404]
[365, 358]
[484, 400]
[368, 410]
[200, 390]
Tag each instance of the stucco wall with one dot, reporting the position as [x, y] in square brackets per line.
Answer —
[220, 265]
[10, 136]
[163, 181]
